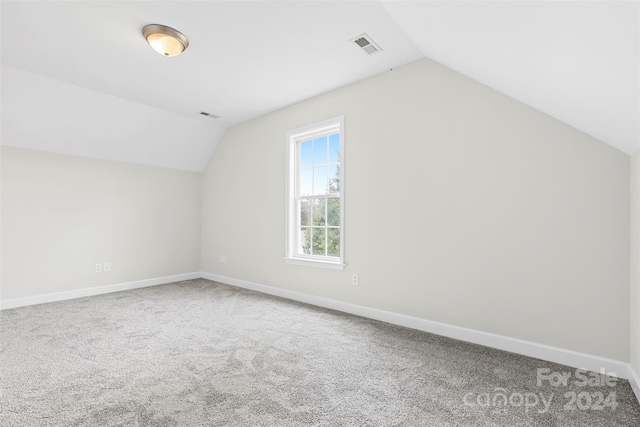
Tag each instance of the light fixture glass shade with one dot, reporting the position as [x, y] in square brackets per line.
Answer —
[165, 45]
[165, 40]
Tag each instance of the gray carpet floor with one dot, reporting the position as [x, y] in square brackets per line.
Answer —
[198, 353]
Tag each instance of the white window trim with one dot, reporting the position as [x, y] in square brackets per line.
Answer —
[291, 217]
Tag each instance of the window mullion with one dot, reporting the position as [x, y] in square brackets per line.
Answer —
[326, 230]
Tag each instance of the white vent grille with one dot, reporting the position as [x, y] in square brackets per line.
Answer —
[366, 44]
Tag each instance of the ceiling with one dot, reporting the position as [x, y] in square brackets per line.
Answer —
[577, 61]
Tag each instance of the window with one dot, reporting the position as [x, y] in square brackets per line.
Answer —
[315, 188]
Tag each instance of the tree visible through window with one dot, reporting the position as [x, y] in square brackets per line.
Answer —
[319, 195]
[315, 201]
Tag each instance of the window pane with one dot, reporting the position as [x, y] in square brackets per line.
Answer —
[333, 211]
[320, 151]
[305, 212]
[306, 158]
[318, 247]
[314, 165]
[334, 178]
[306, 182]
[320, 180]
[334, 148]
[333, 242]
[305, 240]
[319, 212]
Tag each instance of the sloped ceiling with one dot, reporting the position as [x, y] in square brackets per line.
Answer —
[78, 78]
[45, 114]
[578, 61]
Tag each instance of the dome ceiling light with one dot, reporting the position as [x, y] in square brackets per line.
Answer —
[165, 40]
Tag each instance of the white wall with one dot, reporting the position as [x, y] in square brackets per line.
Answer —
[63, 214]
[635, 262]
[463, 206]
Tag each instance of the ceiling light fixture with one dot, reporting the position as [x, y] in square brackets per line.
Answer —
[165, 40]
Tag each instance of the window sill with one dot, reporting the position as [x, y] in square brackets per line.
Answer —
[315, 263]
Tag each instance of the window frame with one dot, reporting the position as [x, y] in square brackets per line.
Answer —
[292, 226]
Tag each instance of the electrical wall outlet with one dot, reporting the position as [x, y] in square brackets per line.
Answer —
[355, 279]
[223, 259]
[107, 267]
[99, 267]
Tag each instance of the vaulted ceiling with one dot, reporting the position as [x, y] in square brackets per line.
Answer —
[78, 77]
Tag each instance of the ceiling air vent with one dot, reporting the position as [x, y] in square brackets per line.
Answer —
[367, 45]
[211, 116]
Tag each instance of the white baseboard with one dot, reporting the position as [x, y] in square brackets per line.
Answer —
[526, 348]
[98, 290]
[634, 381]
[540, 351]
